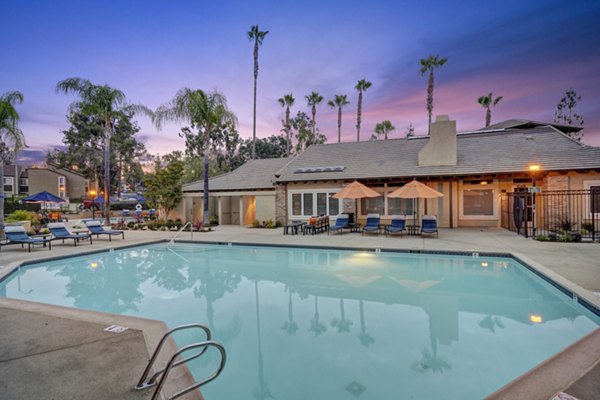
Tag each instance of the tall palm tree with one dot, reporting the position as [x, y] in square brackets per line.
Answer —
[11, 135]
[313, 100]
[287, 101]
[107, 103]
[488, 102]
[383, 128]
[361, 86]
[428, 65]
[339, 101]
[258, 36]
[208, 113]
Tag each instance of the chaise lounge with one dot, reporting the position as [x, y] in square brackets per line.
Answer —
[60, 231]
[18, 235]
[429, 225]
[97, 229]
[397, 225]
[341, 222]
[373, 224]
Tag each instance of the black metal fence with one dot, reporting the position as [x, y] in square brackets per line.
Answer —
[565, 215]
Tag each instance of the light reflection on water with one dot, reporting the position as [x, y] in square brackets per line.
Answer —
[306, 323]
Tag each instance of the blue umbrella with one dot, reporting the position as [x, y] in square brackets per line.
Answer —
[43, 197]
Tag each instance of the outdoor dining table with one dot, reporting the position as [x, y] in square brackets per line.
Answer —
[294, 226]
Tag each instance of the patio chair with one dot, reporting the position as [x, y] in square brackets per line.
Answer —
[97, 229]
[373, 224]
[429, 225]
[341, 222]
[397, 225]
[60, 231]
[17, 234]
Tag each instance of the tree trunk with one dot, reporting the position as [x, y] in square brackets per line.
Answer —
[205, 194]
[106, 173]
[314, 119]
[254, 111]
[339, 124]
[287, 130]
[488, 117]
[358, 115]
[430, 99]
[2, 236]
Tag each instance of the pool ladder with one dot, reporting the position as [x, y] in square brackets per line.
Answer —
[189, 223]
[159, 381]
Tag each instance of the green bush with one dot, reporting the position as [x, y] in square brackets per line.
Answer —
[22, 215]
[542, 238]
[213, 220]
[269, 224]
[256, 224]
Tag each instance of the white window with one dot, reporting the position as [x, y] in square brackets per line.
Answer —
[372, 205]
[386, 206]
[478, 202]
[307, 203]
[8, 184]
[24, 182]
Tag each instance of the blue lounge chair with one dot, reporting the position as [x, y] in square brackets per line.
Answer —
[373, 224]
[341, 222]
[429, 225]
[17, 234]
[97, 229]
[60, 231]
[397, 225]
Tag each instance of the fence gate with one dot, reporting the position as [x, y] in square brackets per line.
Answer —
[567, 215]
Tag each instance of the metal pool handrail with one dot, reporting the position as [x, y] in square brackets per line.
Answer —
[189, 223]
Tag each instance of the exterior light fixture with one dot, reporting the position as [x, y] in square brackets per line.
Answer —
[534, 168]
[536, 319]
[483, 182]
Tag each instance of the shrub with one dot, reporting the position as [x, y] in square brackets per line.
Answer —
[256, 224]
[269, 224]
[566, 225]
[214, 220]
[169, 224]
[542, 238]
[587, 226]
[22, 215]
[553, 237]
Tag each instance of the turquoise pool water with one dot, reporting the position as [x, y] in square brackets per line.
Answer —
[329, 324]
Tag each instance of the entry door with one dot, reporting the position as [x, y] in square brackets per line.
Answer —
[235, 210]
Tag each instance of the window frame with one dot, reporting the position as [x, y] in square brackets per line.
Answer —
[587, 185]
[327, 191]
[466, 187]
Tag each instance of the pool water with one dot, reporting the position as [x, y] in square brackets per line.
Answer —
[328, 324]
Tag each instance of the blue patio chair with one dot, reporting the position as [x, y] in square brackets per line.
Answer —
[429, 225]
[397, 225]
[18, 235]
[60, 231]
[373, 224]
[97, 229]
[341, 222]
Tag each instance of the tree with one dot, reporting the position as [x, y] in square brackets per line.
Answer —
[313, 100]
[565, 112]
[428, 65]
[383, 128]
[339, 101]
[84, 141]
[306, 135]
[163, 188]
[287, 101]
[208, 114]
[258, 36]
[10, 136]
[487, 102]
[361, 86]
[7, 155]
[106, 103]
[274, 146]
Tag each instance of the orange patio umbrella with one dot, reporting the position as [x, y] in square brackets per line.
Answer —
[415, 190]
[356, 190]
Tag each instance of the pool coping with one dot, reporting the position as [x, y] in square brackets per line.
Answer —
[529, 382]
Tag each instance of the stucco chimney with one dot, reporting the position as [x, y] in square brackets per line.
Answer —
[441, 147]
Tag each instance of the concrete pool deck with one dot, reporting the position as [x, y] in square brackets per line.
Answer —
[574, 262]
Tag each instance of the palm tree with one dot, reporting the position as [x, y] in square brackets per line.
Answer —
[364, 337]
[342, 324]
[429, 64]
[339, 101]
[208, 113]
[488, 102]
[106, 103]
[258, 36]
[316, 326]
[383, 128]
[287, 101]
[290, 326]
[313, 100]
[361, 86]
[10, 134]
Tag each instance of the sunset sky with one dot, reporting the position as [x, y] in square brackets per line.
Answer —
[529, 52]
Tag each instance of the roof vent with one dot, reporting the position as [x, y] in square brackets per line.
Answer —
[529, 137]
[313, 170]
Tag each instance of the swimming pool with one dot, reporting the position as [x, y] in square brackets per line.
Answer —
[303, 323]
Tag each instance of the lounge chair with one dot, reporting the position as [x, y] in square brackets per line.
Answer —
[17, 234]
[429, 225]
[60, 231]
[341, 222]
[97, 229]
[397, 225]
[373, 224]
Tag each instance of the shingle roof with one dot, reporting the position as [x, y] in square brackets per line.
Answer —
[510, 150]
[254, 174]
[527, 123]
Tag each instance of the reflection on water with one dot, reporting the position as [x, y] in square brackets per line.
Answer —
[436, 326]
